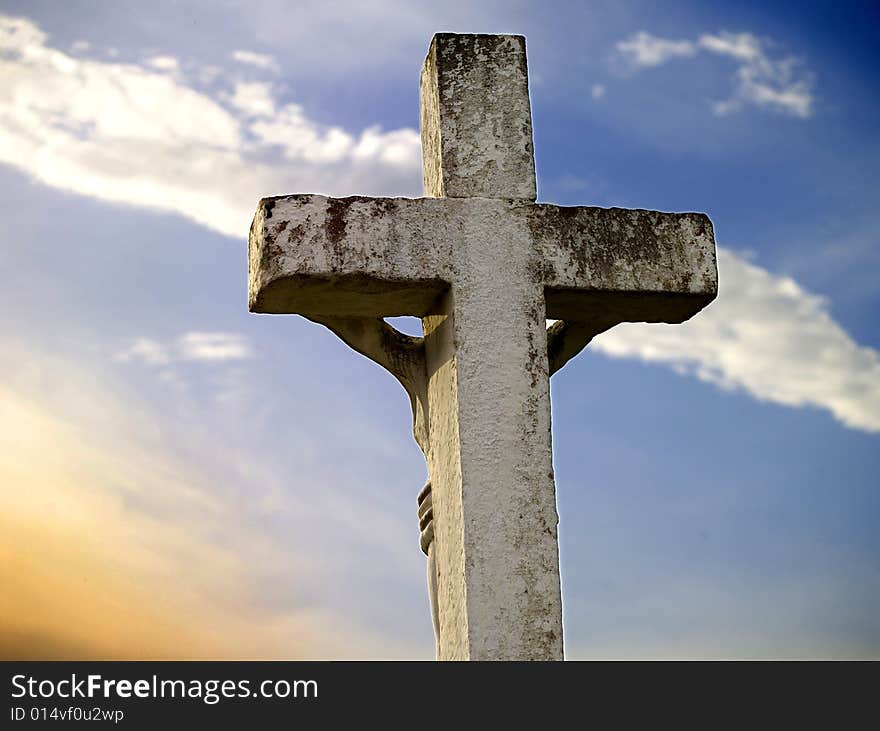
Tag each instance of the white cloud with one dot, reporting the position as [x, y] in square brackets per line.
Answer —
[127, 134]
[769, 337]
[643, 50]
[741, 46]
[776, 84]
[260, 60]
[598, 91]
[253, 99]
[163, 63]
[761, 81]
[213, 346]
[191, 346]
[146, 351]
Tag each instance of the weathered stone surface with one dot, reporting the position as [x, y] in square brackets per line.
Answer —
[489, 456]
[483, 267]
[381, 257]
[476, 118]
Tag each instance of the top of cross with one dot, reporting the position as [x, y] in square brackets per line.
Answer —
[476, 119]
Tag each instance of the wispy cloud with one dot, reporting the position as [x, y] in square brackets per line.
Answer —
[643, 50]
[260, 60]
[769, 337]
[213, 346]
[777, 84]
[144, 350]
[141, 136]
[253, 99]
[163, 63]
[191, 346]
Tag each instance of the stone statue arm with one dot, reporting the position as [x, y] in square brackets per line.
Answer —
[565, 339]
[401, 355]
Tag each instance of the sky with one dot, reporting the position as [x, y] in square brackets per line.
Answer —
[182, 479]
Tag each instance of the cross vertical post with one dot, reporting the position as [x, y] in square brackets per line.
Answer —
[490, 458]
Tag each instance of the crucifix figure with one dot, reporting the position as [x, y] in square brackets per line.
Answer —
[484, 266]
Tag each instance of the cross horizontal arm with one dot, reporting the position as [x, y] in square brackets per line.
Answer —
[612, 265]
[350, 257]
[380, 257]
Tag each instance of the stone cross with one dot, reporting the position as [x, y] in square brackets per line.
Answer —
[484, 267]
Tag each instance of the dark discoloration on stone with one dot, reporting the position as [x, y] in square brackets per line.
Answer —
[537, 347]
[297, 233]
[335, 223]
[267, 204]
[383, 207]
[540, 270]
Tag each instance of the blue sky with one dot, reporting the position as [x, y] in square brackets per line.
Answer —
[182, 478]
